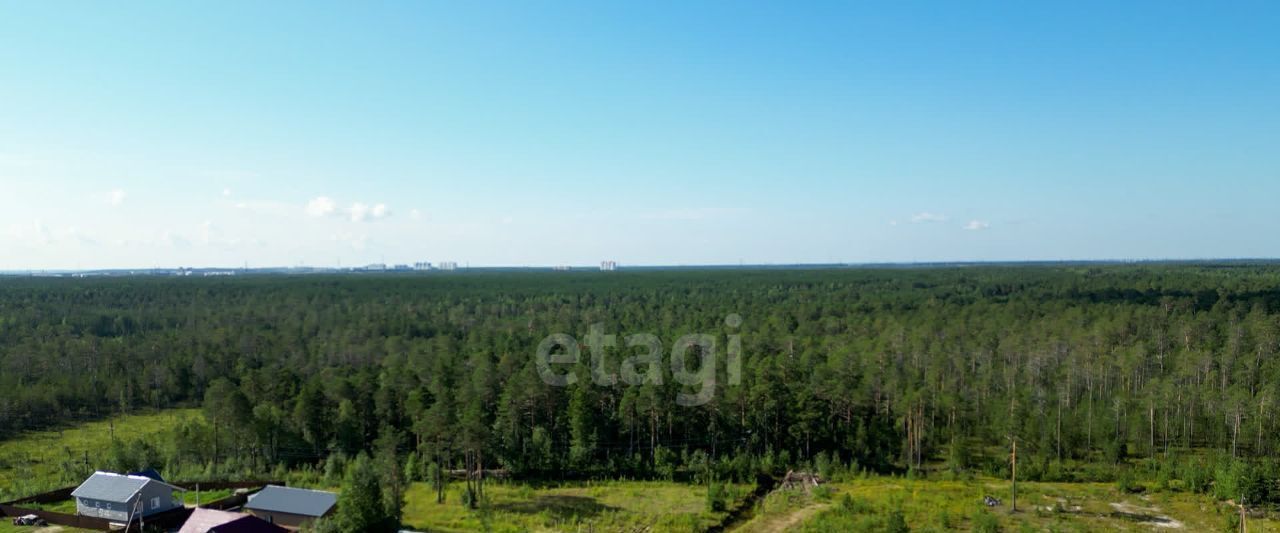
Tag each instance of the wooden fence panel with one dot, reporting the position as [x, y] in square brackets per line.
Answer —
[59, 519]
[221, 485]
[46, 497]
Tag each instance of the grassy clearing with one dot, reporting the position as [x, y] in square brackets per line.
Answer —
[8, 527]
[64, 506]
[37, 461]
[783, 510]
[206, 496]
[586, 506]
[877, 503]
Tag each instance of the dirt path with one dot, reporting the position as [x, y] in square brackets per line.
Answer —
[744, 511]
[783, 522]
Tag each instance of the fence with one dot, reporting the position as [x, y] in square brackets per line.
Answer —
[169, 519]
[222, 484]
[61, 519]
[46, 497]
[234, 500]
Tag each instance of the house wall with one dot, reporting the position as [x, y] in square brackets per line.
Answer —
[285, 520]
[157, 490]
[114, 511]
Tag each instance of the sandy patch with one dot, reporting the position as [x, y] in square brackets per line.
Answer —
[1145, 515]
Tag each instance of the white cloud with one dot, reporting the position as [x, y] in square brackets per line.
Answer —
[927, 217]
[116, 197]
[415, 214]
[976, 225]
[362, 212]
[226, 191]
[321, 206]
[358, 212]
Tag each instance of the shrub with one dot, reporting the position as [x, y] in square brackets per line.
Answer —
[1238, 480]
[896, 522]
[852, 506]
[1164, 476]
[985, 522]
[1117, 451]
[1231, 523]
[945, 521]
[1196, 476]
[335, 468]
[716, 497]
[412, 468]
[360, 504]
[1055, 473]
[664, 463]
[822, 463]
[1032, 470]
[822, 493]
[958, 456]
[699, 464]
[1125, 482]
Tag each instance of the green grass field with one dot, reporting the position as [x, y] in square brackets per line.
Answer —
[937, 505]
[7, 527]
[205, 496]
[585, 506]
[38, 461]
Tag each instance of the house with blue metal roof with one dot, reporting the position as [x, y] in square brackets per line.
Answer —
[123, 498]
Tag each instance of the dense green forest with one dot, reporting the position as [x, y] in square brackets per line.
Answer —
[885, 369]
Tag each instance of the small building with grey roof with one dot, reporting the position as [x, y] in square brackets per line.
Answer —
[290, 507]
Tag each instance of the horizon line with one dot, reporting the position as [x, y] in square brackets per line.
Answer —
[391, 267]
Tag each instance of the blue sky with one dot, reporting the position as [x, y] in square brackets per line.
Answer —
[538, 133]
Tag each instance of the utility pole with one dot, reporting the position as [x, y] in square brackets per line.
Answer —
[1244, 516]
[132, 513]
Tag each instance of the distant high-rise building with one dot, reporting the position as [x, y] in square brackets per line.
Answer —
[448, 265]
[608, 266]
[422, 265]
